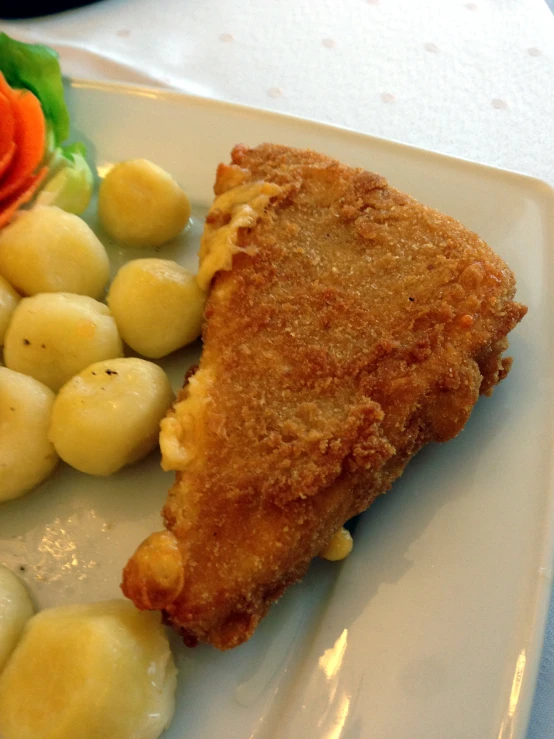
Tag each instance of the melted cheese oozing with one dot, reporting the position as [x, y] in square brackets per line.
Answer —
[339, 547]
[245, 204]
[181, 429]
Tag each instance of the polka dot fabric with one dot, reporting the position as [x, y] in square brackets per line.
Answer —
[472, 79]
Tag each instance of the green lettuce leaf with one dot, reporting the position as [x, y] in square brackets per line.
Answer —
[71, 182]
[72, 151]
[37, 68]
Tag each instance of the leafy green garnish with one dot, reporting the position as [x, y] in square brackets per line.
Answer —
[72, 151]
[36, 67]
[70, 187]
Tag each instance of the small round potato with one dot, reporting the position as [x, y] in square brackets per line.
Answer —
[52, 336]
[108, 416]
[89, 671]
[140, 204]
[157, 305]
[26, 455]
[8, 301]
[46, 250]
[16, 609]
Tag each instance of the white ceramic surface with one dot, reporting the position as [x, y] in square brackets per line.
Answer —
[432, 628]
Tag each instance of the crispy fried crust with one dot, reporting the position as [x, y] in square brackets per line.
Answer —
[360, 327]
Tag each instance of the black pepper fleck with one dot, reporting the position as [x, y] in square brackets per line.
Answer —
[411, 300]
[26, 342]
[111, 372]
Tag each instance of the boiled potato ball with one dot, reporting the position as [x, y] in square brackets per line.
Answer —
[140, 204]
[47, 250]
[89, 671]
[8, 300]
[26, 455]
[53, 336]
[157, 305]
[15, 610]
[108, 416]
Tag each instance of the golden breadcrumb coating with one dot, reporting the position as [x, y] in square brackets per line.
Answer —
[355, 326]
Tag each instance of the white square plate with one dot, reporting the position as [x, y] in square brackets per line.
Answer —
[433, 627]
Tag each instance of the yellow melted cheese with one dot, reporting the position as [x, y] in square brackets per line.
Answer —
[245, 204]
[339, 547]
[181, 429]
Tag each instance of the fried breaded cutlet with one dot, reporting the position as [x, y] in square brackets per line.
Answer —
[347, 326]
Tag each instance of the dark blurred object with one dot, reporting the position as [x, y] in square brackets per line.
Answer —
[34, 9]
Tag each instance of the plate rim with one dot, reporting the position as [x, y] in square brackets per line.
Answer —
[544, 189]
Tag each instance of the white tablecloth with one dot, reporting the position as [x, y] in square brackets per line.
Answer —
[473, 79]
